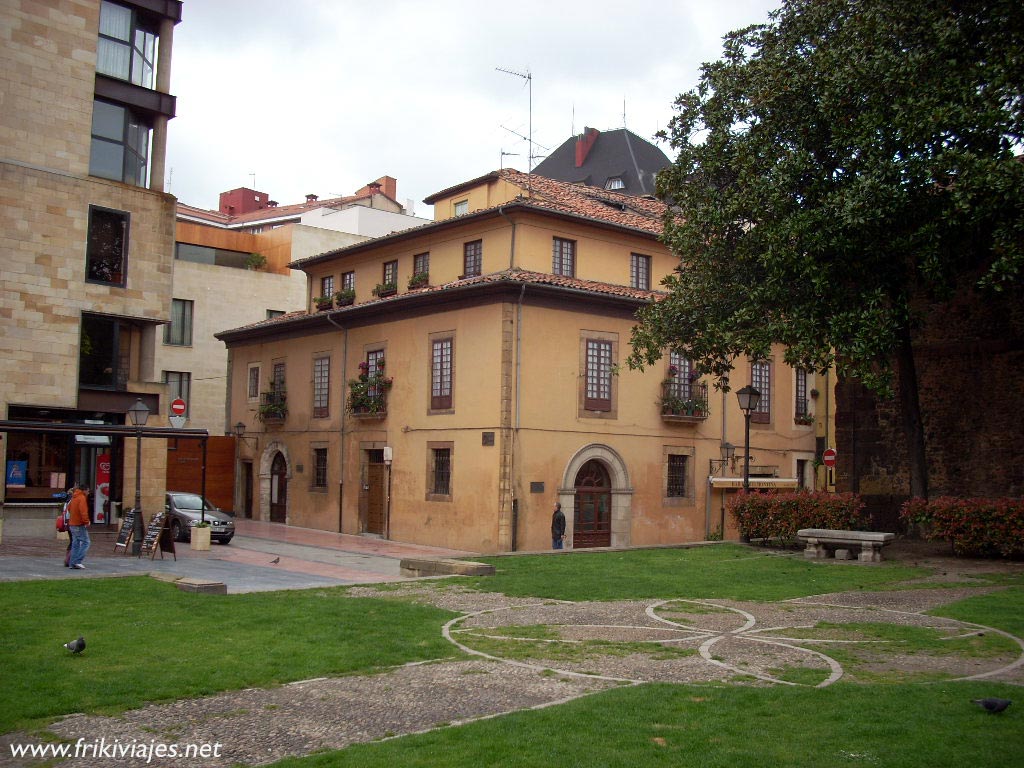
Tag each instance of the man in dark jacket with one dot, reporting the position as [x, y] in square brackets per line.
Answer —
[557, 526]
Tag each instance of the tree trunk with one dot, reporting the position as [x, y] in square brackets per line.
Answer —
[910, 411]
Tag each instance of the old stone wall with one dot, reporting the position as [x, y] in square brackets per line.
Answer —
[970, 366]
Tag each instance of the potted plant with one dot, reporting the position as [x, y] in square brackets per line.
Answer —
[814, 393]
[804, 418]
[368, 394]
[345, 297]
[323, 303]
[255, 261]
[419, 280]
[273, 406]
[385, 289]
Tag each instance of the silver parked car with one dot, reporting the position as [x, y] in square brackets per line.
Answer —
[184, 510]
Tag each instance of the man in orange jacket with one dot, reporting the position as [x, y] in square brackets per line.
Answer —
[78, 511]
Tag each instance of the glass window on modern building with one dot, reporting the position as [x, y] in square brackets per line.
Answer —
[179, 331]
[120, 144]
[127, 46]
[106, 253]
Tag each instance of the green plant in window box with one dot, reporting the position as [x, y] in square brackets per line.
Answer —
[804, 418]
[368, 394]
[255, 261]
[419, 280]
[385, 289]
[273, 407]
[323, 302]
[345, 297]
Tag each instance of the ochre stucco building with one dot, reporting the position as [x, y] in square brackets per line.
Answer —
[479, 376]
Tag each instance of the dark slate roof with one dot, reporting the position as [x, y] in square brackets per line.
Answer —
[617, 153]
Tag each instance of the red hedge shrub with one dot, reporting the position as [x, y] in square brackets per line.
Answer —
[987, 527]
[781, 515]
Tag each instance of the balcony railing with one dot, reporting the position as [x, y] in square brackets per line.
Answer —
[368, 396]
[684, 401]
[273, 407]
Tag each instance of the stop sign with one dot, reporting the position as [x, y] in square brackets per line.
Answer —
[828, 458]
[178, 407]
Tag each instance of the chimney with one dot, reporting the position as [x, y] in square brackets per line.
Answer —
[584, 142]
[374, 187]
[272, 204]
[310, 199]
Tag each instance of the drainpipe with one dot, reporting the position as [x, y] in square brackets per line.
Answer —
[512, 246]
[341, 451]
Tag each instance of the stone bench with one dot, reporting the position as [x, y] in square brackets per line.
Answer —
[201, 586]
[413, 566]
[820, 540]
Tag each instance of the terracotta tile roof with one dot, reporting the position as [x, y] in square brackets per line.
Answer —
[642, 213]
[512, 276]
[268, 214]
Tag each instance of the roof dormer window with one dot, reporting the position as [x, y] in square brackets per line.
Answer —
[614, 183]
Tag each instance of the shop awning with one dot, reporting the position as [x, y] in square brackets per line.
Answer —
[759, 483]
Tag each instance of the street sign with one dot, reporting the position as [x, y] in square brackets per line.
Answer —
[178, 407]
[177, 421]
[828, 458]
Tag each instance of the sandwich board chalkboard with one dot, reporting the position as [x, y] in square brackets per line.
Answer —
[124, 536]
[158, 537]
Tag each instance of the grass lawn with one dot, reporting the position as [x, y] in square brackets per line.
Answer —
[143, 636]
[720, 571]
[149, 641]
[922, 726]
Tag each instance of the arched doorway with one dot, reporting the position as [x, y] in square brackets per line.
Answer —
[592, 523]
[278, 489]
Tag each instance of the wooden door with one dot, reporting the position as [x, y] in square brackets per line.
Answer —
[592, 523]
[376, 477]
[278, 490]
[247, 489]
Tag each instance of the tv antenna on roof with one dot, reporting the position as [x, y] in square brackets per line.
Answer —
[528, 77]
[504, 154]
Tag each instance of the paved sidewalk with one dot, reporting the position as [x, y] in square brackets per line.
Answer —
[305, 558]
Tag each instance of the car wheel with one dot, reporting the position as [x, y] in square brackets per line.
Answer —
[176, 531]
[226, 540]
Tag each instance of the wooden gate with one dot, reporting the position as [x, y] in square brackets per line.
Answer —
[592, 523]
[185, 464]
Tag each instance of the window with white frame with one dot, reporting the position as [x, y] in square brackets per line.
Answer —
[563, 257]
[462, 207]
[321, 387]
[640, 271]
[441, 367]
[761, 380]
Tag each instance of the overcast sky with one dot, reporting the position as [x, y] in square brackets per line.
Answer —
[323, 96]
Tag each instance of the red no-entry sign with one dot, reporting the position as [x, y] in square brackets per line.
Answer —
[178, 407]
[828, 458]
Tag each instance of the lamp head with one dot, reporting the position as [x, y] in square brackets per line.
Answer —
[138, 413]
[749, 399]
[239, 429]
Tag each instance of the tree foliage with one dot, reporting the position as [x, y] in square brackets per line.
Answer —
[838, 163]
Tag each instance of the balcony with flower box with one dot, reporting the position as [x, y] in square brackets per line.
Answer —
[273, 408]
[368, 394]
[684, 402]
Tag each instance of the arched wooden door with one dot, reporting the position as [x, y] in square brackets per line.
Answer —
[278, 489]
[592, 526]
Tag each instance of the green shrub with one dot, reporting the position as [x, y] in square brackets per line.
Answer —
[780, 515]
[986, 527]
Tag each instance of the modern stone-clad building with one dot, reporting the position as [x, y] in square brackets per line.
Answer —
[86, 241]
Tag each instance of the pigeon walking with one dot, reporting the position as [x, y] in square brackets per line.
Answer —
[275, 561]
[993, 705]
[76, 646]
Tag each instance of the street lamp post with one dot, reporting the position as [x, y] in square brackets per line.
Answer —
[138, 414]
[749, 399]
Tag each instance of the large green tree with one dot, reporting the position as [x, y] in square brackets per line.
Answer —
[840, 165]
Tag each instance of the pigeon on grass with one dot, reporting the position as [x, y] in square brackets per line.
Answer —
[992, 705]
[76, 646]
